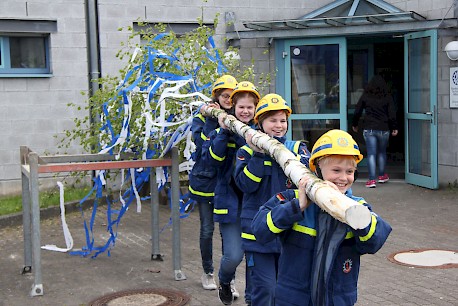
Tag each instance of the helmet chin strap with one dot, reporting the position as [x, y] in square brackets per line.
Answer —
[318, 172]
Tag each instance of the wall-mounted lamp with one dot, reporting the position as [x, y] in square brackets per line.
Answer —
[452, 50]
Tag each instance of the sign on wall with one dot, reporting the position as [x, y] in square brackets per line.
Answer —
[454, 87]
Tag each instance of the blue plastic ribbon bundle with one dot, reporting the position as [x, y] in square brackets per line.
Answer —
[165, 130]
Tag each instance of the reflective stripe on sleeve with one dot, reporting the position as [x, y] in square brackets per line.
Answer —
[248, 236]
[371, 230]
[220, 211]
[216, 157]
[200, 193]
[248, 149]
[304, 229]
[251, 176]
[201, 117]
[271, 225]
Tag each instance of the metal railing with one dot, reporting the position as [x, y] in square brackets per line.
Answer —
[32, 165]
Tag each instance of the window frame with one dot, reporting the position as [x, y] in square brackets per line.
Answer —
[13, 27]
[5, 68]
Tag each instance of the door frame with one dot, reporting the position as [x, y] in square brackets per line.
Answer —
[426, 181]
[284, 77]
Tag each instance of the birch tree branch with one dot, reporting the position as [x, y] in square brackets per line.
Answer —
[327, 198]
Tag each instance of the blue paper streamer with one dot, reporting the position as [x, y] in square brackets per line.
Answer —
[144, 73]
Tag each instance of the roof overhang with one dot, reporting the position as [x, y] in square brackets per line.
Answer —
[296, 28]
[336, 21]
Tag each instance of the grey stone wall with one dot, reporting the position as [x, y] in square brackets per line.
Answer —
[447, 116]
[34, 110]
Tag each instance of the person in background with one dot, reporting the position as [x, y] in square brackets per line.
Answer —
[220, 152]
[259, 177]
[202, 178]
[379, 120]
[320, 259]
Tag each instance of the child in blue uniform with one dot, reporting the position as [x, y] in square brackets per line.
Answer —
[220, 153]
[260, 177]
[202, 179]
[320, 259]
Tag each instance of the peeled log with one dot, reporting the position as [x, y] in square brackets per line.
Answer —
[327, 198]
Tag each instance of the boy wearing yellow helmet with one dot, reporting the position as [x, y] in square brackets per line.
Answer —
[260, 177]
[202, 179]
[219, 152]
[320, 259]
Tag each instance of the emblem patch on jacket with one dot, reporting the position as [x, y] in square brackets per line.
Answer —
[289, 184]
[346, 268]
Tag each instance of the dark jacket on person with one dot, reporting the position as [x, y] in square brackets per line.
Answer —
[219, 152]
[202, 179]
[260, 177]
[380, 112]
[320, 258]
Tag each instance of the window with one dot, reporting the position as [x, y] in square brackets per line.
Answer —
[24, 55]
[24, 47]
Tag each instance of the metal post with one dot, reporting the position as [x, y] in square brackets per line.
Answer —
[26, 210]
[155, 254]
[37, 287]
[175, 182]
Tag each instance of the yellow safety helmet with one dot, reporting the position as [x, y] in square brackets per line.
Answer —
[224, 82]
[245, 86]
[334, 142]
[271, 102]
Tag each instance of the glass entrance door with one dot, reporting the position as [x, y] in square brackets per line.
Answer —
[421, 111]
[316, 70]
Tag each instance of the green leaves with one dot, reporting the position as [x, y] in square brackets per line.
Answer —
[161, 55]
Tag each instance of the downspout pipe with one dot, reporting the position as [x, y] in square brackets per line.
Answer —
[93, 50]
[455, 9]
[93, 56]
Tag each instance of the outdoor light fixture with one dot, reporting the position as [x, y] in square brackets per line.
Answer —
[452, 50]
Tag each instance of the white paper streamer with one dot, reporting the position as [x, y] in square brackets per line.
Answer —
[134, 187]
[125, 128]
[160, 176]
[121, 198]
[67, 235]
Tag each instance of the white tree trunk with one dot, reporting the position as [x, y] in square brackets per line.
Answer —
[327, 198]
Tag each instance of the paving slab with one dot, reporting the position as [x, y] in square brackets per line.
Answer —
[421, 219]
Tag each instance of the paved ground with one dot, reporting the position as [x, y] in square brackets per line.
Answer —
[420, 218]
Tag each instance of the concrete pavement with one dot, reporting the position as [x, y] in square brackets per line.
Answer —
[420, 218]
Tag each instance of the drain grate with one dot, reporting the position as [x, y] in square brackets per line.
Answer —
[147, 296]
[426, 258]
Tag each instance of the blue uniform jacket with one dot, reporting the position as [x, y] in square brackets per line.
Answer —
[260, 177]
[202, 179]
[219, 152]
[320, 258]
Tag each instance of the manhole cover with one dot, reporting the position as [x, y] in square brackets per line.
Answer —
[148, 296]
[426, 258]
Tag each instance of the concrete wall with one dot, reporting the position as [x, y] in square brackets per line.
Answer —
[447, 117]
[34, 110]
